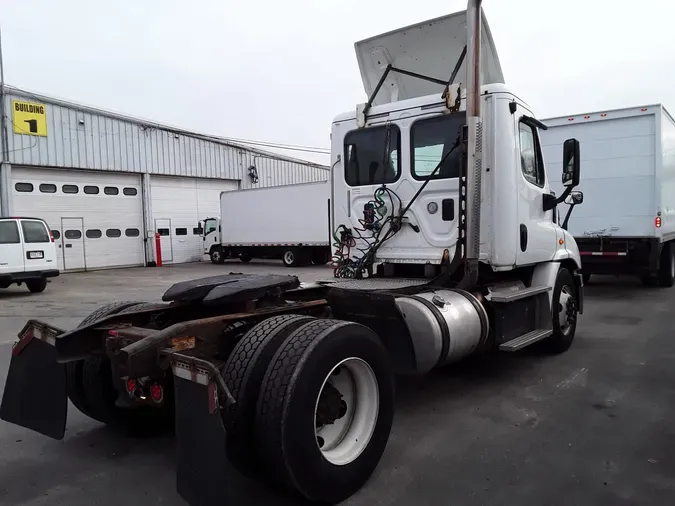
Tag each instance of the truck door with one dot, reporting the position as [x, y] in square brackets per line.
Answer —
[211, 234]
[537, 236]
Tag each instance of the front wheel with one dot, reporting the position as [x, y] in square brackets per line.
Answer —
[564, 311]
[217, 256]
[325, 410]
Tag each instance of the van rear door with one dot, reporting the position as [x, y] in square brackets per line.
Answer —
[11, 249]
[38, 249]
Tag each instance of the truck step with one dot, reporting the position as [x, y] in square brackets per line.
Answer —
[525, 340]
[510, 295]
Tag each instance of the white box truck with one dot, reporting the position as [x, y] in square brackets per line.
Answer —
[627, 222]
[288, 222]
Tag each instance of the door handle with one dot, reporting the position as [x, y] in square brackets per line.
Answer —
[69, 245]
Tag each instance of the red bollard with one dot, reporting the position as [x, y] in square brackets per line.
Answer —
[158, 249]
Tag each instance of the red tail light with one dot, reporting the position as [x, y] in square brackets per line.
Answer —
[156, 392]
[131, 385]
[657, 222]
[51, 236]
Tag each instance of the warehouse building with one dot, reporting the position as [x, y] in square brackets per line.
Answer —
[106, 183]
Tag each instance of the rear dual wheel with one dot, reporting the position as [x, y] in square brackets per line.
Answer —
[318, 419]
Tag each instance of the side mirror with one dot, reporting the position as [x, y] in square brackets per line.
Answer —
[575, 198]
[571, 163]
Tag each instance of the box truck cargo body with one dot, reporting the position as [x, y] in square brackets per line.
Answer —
[288, 222]
[627, 221]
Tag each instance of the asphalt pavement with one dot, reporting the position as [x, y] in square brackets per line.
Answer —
[593, 426]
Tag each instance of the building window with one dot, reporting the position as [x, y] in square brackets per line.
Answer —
[132, 232]
[34, 232]
[23, 187]
[70, 188]
[56, 234]
[73, 234]
[181, 231]
[93, 233]
[131, 192]
[91, 190]
[48, 188]
[111, 190]
[113, 232]
[530, 156]
[163, 231]
[9, 232]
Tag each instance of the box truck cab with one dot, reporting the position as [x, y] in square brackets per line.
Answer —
[27, 253]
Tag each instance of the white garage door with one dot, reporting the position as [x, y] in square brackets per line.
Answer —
[177, 206]
[96, 218]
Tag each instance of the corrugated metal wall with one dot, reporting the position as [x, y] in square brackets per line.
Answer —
[85, 138]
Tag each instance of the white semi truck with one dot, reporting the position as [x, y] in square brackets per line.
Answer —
[627, 223]
[288, 222]
[445, 244]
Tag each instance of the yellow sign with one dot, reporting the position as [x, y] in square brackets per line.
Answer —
[29, 118]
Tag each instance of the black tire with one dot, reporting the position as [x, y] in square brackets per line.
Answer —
[217, 256]
[285, 426]
[74, 385]
[666, 276]
[562, 339]
[37, 285]
[320, 256]
[245, 257]
[587, 278]
[650, 280]
[290, 257]
[243, 374]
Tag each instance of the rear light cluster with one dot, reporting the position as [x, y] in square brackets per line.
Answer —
[139, 390]
[657, 222]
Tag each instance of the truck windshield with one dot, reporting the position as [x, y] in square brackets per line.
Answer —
[210, 225]
[432, 138]
[365, 156]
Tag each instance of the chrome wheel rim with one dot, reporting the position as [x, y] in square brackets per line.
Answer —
[346, 411]
[289, 257]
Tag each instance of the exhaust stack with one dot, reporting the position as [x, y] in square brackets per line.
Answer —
[475, 141]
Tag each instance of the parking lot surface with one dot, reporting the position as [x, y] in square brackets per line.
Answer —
[594, 426]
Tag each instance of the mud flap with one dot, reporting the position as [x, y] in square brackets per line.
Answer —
[35, 391]
[202, 467]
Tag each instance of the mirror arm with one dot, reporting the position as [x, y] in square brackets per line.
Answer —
[567, 216]
[564, 195]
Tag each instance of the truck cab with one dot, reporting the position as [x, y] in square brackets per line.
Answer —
[211, 234]
[383, 158]
[517, 228]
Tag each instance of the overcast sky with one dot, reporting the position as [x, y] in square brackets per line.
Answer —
[280, 71]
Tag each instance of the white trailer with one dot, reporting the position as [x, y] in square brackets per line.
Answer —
[627, 222]
[288, 222]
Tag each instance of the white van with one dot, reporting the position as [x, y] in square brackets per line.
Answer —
[27, 253]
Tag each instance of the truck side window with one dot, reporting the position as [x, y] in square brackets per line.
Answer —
[530, 155]
[365, 156]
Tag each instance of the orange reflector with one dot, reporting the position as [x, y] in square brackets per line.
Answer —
[561, 241]
[657, 222]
